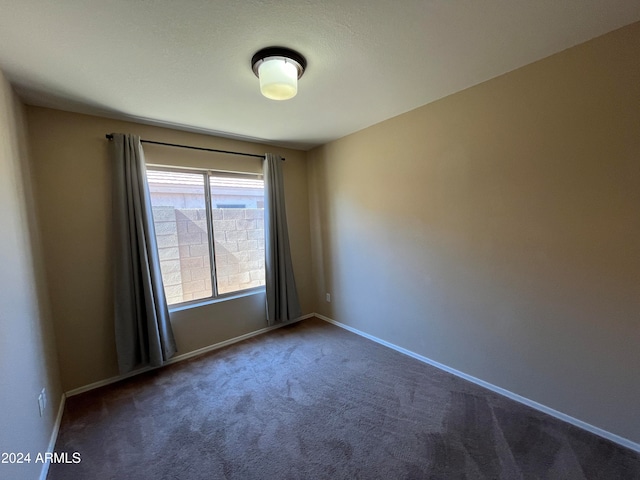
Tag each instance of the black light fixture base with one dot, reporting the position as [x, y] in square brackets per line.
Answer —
[283, 53]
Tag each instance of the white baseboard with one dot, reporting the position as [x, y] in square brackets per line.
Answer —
[184, 356]
[54, 437]
[513, 396]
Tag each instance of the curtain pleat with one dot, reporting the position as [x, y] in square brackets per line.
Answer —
[142, 325]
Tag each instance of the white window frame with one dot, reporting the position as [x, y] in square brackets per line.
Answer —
[215, 296]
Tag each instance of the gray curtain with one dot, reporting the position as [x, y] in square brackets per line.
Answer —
[282, 297]
[143, 329]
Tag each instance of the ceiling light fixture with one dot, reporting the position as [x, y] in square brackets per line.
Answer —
[278, 69]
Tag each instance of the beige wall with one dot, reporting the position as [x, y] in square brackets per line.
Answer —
[72, 175]
[28, 360]
[497, 231]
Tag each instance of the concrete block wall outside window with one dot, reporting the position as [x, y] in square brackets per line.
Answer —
[183, 240]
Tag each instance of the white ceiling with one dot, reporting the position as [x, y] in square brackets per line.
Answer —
[187, 63]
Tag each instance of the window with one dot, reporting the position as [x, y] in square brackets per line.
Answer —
[210, 232]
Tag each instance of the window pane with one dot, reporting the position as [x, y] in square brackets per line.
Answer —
[180, 218]
[238, 230]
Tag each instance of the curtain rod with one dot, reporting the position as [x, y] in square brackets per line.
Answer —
[229, 152]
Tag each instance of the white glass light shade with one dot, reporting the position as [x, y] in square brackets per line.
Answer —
[278, 79]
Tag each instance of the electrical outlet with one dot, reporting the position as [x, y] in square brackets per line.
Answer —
[42, 401]
[328, 297]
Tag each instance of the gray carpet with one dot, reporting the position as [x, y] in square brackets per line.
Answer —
[312, 401]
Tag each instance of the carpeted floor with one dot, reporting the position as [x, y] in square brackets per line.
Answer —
[312, 401]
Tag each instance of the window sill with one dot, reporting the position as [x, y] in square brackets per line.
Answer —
[209, 301]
